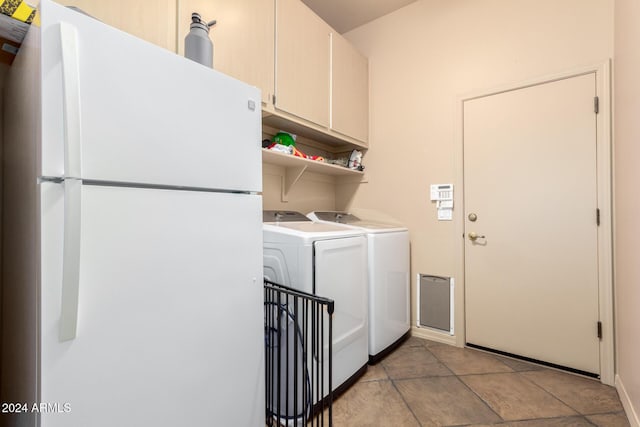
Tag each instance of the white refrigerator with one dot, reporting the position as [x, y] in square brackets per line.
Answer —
[132, 235]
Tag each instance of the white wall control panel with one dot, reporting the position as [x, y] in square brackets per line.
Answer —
[442, 194]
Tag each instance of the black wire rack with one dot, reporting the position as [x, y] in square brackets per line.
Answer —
[298, 356]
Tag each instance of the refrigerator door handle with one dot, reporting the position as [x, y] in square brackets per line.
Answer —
[71, 100]
[71, 259]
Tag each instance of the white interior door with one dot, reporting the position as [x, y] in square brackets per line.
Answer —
[531, 275]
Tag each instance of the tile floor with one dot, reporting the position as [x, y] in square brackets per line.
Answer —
[424, 383]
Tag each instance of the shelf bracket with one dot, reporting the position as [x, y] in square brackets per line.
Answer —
[291, 175]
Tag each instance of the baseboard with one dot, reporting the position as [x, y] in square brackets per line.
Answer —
[430, 334]
[632, 415]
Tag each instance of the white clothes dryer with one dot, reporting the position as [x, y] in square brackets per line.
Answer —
[329, 261]
[388, 275]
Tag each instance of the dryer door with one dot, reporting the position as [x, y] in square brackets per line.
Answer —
[341, 274]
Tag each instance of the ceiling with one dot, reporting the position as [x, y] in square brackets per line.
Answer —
[345, 15]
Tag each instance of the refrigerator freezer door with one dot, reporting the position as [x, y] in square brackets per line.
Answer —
[136, 113]
[170, 323]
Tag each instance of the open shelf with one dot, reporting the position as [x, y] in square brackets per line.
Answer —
[288, 160]
[295, 167]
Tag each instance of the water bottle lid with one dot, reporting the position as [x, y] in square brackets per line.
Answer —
[198, 22]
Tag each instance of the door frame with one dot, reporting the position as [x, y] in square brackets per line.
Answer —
[602, 72]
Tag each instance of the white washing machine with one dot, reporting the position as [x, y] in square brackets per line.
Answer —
[329, 261]
[389, 284]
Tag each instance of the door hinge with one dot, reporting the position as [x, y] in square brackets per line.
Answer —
[596, 104]
[598, 217]
[273, 99]
[599, 330]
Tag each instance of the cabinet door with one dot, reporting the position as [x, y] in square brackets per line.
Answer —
[243, 38]
[302, 62]
[150, 20]
[349, 90]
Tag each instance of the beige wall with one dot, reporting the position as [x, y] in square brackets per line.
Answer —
[422, 58]
[627, 202]
[311, 192]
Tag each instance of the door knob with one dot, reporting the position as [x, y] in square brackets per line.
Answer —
[473, 236]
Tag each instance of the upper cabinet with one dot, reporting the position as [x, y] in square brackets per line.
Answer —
[349, 90]
[243, 38]
[302, 62]
[150, 20]
[321, 80]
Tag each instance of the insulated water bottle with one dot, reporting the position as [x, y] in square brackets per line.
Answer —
[197, 44]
